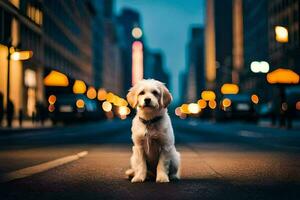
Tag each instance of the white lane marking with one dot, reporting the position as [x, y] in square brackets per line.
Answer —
[29, 171]
[252, 134]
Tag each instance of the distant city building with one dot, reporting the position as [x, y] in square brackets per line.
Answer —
[286, 55]
[226, 26]
[195, 62]
[255, 17]
[113, 71]
[154, 68]
[97, 44]
[128, 19]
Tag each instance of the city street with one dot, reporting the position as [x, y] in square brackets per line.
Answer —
[219, 161]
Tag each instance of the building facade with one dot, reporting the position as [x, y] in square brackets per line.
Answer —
[195, 61]
[127, 20]
[284, 13]
[60, 35]
[154, 67]
[256, 45]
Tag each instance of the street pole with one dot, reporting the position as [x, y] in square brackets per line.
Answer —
[8, 87]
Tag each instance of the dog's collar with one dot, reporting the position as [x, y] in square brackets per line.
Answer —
[151, 121]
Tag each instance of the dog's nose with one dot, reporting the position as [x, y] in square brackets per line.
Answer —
[147, 101]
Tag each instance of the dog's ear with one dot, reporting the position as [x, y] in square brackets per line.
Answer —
[132, 97]
[166, 96]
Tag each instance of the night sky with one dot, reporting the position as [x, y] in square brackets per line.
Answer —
[166, 27]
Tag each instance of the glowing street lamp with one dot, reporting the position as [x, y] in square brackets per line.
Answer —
[79, 87]
[281, 34]
[283, 77]
[229, 88]
[260, 67]
[208, 95]
[137, 32]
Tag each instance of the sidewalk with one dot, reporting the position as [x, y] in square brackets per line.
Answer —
[27, 125]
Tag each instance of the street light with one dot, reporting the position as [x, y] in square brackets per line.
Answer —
[16, 56]
[281, 34]
[260, 67]
[282, 78]
[229, 88]
[137, 32]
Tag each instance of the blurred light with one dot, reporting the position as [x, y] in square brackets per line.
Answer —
[106, 106]
[262, 67]
[202, 103]
[110, 97]
[79, 103]
[281, 34]
[30, 78]
[122, 117]
[254, 98]
[56, 78]
[124, 110]
[184, 108]
[178, 111]
[283, 76]
[229, 88]
[137, 62]
[212, 104]
[226, 102]
[91, 93]
[21, 55]
[208, 95]
[51, 108]
[298, 105]
[109, 115]
[79, 87]
[136, 33]
[101, 94]
[193, 108]
[52, 99]
[284, 106]
[183, 116]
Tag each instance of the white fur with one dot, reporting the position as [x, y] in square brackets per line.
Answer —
[159, 136]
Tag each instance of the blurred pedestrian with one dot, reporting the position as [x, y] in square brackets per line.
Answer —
[41, 112]
[33, 118]
[1, 107]
[10, 112]
[20, 117]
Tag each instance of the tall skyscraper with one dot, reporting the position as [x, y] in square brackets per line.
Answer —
[195, 61]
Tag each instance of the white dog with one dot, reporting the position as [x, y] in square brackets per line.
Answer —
[152, 133]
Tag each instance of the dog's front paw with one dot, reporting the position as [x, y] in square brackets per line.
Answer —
[162, 178]
[137, 179]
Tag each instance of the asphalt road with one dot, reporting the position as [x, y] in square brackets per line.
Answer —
[219, 161]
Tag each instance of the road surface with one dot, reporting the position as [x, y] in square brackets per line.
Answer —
[219, 161]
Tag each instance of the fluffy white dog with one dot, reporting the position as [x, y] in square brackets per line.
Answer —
[154, 149]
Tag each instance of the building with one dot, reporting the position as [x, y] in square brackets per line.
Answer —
[112, 72]
[286, 14]
[224, 41]
[256, 48]
[61, 39]
[154, 67]
[21, 28]
[195, 61]
[97, 44]
[127, 20]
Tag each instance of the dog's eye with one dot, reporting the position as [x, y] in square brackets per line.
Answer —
[154, 92]
[142, 93]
